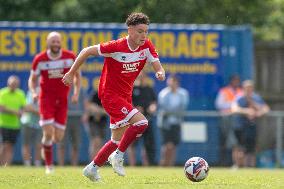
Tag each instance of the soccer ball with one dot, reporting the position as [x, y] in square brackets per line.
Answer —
[196, 169]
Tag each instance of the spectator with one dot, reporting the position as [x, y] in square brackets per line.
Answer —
[96, 117]
[225, 97]
[31, 133]
[12, 102]
[172, 100]
[144, 99]
[250, 106]
[73, 130]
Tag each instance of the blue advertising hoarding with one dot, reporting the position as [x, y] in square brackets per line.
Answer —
[203, 56]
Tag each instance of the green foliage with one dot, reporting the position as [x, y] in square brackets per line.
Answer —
[139, 178]
[266, 17]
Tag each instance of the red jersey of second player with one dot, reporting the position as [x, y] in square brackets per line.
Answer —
[52, 71]
[122, 65]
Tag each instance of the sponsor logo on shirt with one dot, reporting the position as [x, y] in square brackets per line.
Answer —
[55, 73]
[130, 67]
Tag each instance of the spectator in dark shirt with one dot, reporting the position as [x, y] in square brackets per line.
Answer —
[250, 106]
[96, 117]
[144, 99]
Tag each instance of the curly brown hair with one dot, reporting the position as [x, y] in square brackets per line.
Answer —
[137, 18]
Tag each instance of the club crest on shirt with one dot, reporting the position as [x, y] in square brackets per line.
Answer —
[124, 110]
[142, 55]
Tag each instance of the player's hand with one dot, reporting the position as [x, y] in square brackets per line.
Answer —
[74, 98]
[68, 79]
[160, 76]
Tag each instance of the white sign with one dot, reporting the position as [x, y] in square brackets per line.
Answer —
[194, 132]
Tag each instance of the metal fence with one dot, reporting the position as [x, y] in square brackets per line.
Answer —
[275, 128]
[276, 115]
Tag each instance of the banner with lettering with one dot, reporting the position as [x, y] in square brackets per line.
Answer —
[203, 57]
[199, 54]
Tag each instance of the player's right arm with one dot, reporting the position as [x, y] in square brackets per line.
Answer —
[81, 58]
[33, 79]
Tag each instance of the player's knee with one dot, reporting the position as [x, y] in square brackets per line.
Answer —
[46, 141]
[48, 132]
[115, 141]
[47, 136]
[57, 139]
[58, 135]
[141, 126]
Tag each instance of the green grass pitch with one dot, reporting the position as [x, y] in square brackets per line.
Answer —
[17, 177]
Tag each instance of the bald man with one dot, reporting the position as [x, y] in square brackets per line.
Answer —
[12, 102]
[51, 65]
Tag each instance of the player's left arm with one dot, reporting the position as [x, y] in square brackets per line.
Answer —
[153, 58]
[160, 72]
[76, 87]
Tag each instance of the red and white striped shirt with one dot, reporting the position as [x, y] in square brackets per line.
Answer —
[51, 71]
[122, 65]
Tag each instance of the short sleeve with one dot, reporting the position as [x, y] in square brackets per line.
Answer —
[240, 101]
[35, 68]
[152, 55]
[162, 98]
[107, 48]
[259, 100]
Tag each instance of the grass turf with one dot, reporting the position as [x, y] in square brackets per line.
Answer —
[138, 178]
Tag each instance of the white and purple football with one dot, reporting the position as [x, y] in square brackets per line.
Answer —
[196, 169]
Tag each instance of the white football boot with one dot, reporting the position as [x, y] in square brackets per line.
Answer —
[116, 162]
[91, 172]
[49, 169]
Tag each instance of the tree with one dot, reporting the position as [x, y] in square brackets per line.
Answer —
[266, 17]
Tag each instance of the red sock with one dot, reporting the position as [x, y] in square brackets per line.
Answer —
[48, 155]
[131, 134]
[104, 153]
